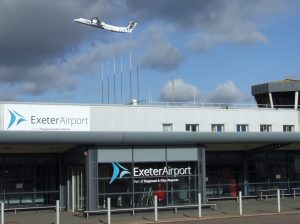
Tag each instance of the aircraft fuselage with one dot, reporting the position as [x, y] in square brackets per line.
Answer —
[95, 22]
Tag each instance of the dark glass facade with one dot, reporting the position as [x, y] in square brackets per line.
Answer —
[174, 175]
[162, 173]
[230, 172]
[29, 180]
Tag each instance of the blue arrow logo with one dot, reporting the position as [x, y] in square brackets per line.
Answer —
[119, 172]
[15, 117]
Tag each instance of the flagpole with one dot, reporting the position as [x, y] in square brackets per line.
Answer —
[121, 80]
[102, 84]
[114, 80]
[130, 81]
[108, 81]
[138, 84]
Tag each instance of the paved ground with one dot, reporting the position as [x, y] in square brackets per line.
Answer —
[254, 211]
[260, 219]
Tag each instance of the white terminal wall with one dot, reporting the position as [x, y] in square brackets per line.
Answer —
[151, 118]
[1, 117]
[145, 118]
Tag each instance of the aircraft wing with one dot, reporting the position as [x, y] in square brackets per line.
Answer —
[89, 22]
[95, 22]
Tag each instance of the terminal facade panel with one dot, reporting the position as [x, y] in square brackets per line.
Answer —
[83, 154]
[173, 174]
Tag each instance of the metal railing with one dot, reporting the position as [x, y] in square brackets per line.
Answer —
[220, 191]
[29, 199]
[214, 105]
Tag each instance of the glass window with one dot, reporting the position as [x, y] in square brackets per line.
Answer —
[192, 127]
[172, 183]
[114, 155]
[147, 175]
[242, 127]
[294, 167]
[121, 200]
[224, 174]
[149, 154]
[106, 170]
[265, 128]
[277, 166]
[212, 165]
[257, 169]
[177, 179]
[167, 127]
[217, 127]
[30, 180]
[182, 154]
[288, 128]
[115, 183]
[231, 167]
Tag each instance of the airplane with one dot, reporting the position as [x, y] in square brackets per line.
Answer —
[95, 22]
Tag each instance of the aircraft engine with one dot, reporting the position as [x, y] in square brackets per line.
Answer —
[95, 20]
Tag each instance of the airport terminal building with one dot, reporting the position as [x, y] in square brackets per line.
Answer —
[83, 154]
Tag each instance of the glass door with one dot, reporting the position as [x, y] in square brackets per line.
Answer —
[75, 186]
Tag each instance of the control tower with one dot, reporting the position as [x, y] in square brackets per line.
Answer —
[277, 94]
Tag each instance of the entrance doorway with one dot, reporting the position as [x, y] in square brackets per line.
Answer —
[75, 186]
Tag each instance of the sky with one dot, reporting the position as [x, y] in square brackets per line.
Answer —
[209, 51]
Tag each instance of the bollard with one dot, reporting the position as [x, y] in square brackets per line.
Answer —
[2, 213]
[57, 211]
[199, 205]
[294, 194]
[278, 200]
[155, 208]
[240, 203]
[108, 211]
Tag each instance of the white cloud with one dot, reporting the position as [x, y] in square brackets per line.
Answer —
[202, 42]
[162, 56]
[159, 53]
[178, 91]
[38, 60]
[209, 23]
[227, 93]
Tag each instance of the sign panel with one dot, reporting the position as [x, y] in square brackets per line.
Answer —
[25, 117]
[156, 174]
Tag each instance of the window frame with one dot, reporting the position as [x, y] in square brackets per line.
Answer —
[239, 126]
[190, 126]
[215, 127]
[265, 128]
[167, 127]
[288, 128]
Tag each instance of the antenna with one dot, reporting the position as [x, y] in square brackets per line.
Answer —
[108, 81]
[114, 80]
[121, 80]
[102, 86]
[138, 83]
[130, 88]
[194, 95]
[173, 89]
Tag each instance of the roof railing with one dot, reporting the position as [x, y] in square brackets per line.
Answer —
[215, 105]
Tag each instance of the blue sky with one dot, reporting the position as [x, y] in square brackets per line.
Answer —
[208, 50]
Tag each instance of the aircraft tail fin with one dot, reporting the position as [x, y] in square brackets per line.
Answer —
[131, 26]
